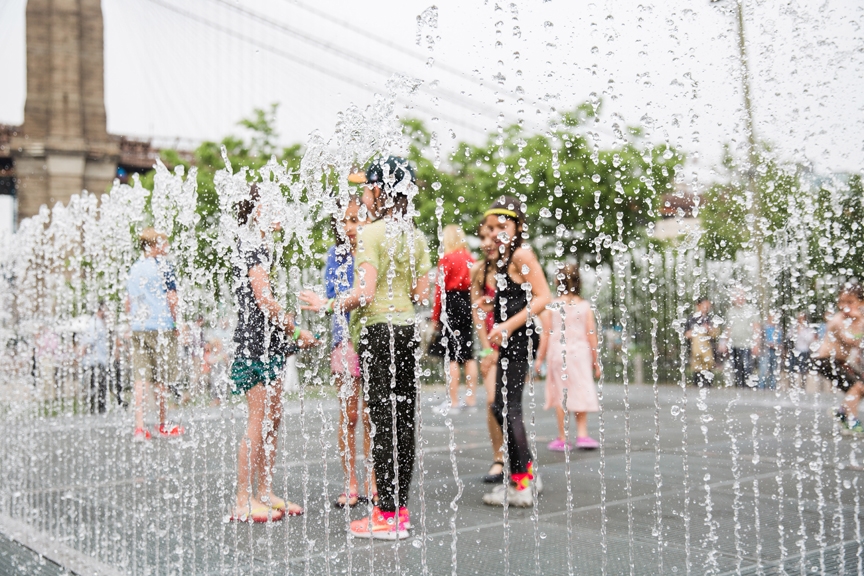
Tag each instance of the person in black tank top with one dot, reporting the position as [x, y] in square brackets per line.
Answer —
[517, 332]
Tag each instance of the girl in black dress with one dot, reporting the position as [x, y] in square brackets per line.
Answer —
[522, 294]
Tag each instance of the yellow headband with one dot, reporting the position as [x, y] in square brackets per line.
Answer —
[502, 212]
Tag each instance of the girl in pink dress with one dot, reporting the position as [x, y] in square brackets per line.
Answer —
[571, 359]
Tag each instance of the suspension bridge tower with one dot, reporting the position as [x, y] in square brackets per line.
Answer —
[63, 146]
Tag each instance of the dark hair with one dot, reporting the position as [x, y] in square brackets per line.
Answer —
[568, 280]
[246, 206]
[854, 289]
[339, 231]
[702, 299]
[386, 174]
[487, 263]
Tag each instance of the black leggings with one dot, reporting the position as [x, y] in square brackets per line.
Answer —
[512, 371]
[385, 390]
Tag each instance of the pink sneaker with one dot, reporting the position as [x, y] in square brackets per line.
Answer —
[587, 443]
[559, 445]
[405, 517]
[379, 526]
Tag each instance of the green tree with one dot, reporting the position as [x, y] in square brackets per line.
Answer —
[252, 152]
[836, 246]
[726, 216]
[579, 199]
[576, 196]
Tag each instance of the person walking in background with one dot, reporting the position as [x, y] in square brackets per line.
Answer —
[391, 276]
[743, 327]
[701, 330]
[522, 294]
[94, 360]
[344, 362]
[570, 352]
[482, 298]
[121, 378]
[454, 322]
[799, 359]
[772, 344]
[152, 308]
[839, 357]
[265, 336]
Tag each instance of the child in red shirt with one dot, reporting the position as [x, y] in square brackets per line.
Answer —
[452, 314]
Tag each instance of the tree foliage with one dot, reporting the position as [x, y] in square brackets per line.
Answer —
[252, 152]
[827, 215]
[728, 219]
[579, 199]
[836, 244]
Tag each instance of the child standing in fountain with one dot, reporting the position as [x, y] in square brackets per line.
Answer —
[839, 357]
[454, 317]
[344, 362]
[265, 336]
[391, 276]
[522, 293]
[482, 299]
[571, 359]
[152, 308]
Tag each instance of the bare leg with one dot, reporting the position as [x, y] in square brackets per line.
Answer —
[471, 378]
[161, 392]
[582, 424]
[454, 384]
[560, 415]
[140, 391]
[853, 398]
[495, 432]
[250, 448]
[269, 439]
[348, 429]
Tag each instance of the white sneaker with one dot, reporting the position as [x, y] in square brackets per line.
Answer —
[499, 488]
[516, 498]
[538, 483]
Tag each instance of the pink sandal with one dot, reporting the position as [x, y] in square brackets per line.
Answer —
[587, 443]
[559, 445]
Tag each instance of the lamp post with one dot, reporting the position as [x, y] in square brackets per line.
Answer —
[757, 236]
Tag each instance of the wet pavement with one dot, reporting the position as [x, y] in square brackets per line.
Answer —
[738, 480]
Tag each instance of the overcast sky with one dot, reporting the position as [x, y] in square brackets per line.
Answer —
[194, 71]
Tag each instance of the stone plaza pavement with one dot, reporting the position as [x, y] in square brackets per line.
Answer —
[737, 481]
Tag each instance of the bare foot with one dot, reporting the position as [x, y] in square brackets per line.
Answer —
[272, 501]
[350, 499]
[252, 510]
[277, 503]
[246, 503]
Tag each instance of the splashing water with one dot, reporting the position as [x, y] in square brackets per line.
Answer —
[673, 488]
